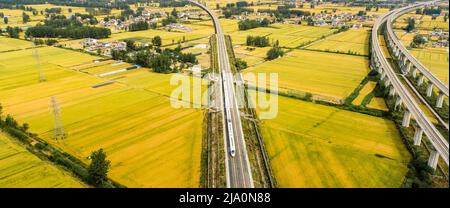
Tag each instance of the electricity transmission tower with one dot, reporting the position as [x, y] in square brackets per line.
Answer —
[38, 63]
[59, 129]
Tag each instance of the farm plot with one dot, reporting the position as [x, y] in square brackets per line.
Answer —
[252, 56]
[325, 74]
[8, 44]
[149, 142]
[15, 15]
[228, 25]
[288, 35]
[368, 88]
[427, 23]
[351, 41]
[21, 169]
[312, 145]
[377, 103]
[435, 59]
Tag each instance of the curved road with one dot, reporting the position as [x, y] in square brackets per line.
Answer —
[238, 170]
[437, 140]
[430, 76]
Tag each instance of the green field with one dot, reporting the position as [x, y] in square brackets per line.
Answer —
[351, 41]
[21, 169]
[325, 74]
[288, 35]
[311, 145]
[149, 143]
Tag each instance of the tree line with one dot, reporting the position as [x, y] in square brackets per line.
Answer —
[250, 24]
[258, 41]
[58, 26]
[75, 32]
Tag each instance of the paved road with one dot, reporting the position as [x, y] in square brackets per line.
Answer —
[424, 70]
[237, 166]
[437, 140]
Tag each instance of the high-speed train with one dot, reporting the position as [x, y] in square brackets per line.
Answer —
[232, 148]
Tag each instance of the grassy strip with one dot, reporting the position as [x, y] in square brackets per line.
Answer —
[337, 52]
[205, 161]
[45, 151]
[349, 99]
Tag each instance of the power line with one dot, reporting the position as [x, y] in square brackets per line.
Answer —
[59, 129]
[38, 63]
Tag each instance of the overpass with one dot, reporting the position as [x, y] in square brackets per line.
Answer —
[237, 164]
[408, 63]
[403, 98]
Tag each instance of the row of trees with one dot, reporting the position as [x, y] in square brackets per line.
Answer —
[42, 31]
[250, 24]
[56, 10]
[230, 11]
[258, 41]
[13, 32]
[141, 25]
[48, 42]
[58, 26]
[429, 11]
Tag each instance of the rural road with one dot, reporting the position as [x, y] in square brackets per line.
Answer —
[238, 170]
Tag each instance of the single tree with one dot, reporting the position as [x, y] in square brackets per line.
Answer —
[5, 20]
[174, 13]
[98, 169]
[25, 17]
[411, 25]
[156, 41]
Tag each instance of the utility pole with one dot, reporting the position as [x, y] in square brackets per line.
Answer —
[59, 129]
[38, 63]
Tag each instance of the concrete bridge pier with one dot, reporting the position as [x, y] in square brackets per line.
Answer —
[391, 91]
[433, 160]
[406, 118]
[407, 67]
[418, 136]
[387, 83]
[383, 75]
[414, 72]
[420, 80]
[440, 100]
[398, 102]
[397, 51]
[429, 89]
